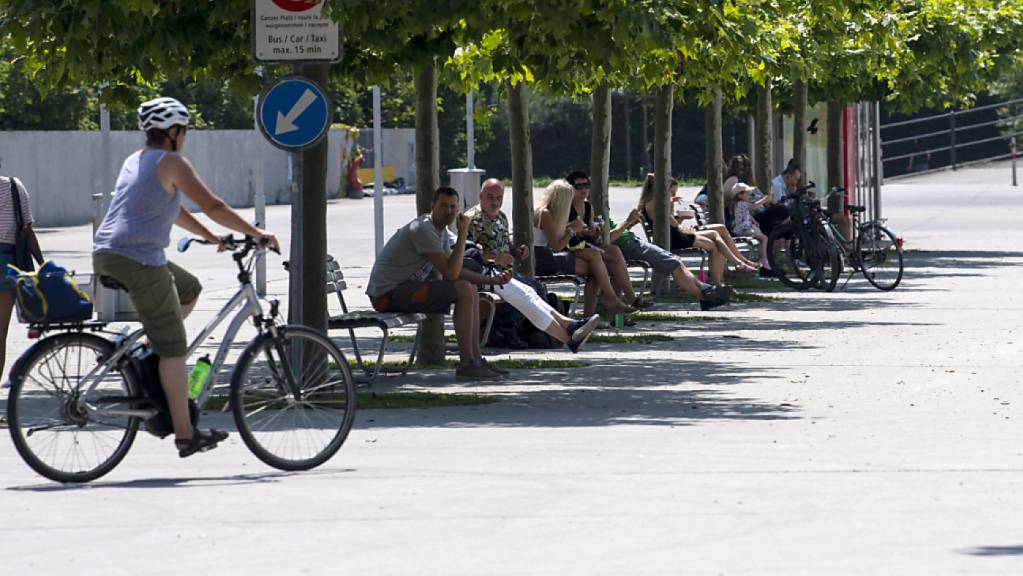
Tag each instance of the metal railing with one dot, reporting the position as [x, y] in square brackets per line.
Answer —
[957, 138]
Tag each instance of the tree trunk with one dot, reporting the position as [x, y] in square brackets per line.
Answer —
[799, 127]
[834, 145]
[644, 160]
[431, 344]
[522, 172]
[309, 220]
[628, 137]
[751, 143]
[600, 153]
[662, 166]
[715, 195]
[765, 144]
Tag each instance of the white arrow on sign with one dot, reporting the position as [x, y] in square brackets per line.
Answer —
[286, 123]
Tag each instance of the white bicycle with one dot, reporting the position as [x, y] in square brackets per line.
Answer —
[77, 398]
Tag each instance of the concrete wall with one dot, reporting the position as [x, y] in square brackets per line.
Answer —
[62, 170]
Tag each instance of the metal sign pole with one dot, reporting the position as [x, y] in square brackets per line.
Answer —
[470, 132]
[258, 200]
[378, 174]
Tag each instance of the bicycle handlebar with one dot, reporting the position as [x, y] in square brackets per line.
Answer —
[244, 245]
[802, 190]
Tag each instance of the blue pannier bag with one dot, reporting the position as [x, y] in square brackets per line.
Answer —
[49, 295]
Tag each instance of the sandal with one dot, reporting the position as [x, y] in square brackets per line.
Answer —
[199, 442]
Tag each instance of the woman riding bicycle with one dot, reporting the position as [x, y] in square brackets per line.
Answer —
[129, 247]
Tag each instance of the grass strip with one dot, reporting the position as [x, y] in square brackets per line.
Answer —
[683, 298]
[746, 281]
[508, 363]
[629, 338]
[670, 317]
[383, 400]
[406, 339]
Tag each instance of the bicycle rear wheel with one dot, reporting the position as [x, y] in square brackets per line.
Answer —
[880, 256]
[50, 414]
[785, 254]
[832, 267]
[293, 398]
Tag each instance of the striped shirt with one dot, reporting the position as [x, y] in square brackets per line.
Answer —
[8, 223]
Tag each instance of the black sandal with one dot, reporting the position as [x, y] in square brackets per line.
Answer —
[199, 442]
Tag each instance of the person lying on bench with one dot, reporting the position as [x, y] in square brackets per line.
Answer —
[488, 228]
[403, 279]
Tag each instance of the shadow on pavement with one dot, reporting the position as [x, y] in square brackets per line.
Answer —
[995, 551]
[195, 482]
[609, 392]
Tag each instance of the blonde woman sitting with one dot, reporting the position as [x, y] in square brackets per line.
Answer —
[550, 246]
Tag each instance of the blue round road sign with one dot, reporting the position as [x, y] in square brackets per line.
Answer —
[294, 113]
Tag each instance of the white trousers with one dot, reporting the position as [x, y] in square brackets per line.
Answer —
[528, 302]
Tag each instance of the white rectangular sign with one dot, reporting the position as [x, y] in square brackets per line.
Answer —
[293, 30]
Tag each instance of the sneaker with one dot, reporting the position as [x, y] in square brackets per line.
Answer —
[474, 371]
[765, 273]
[579, 332]
[713, 296]
[493, 368]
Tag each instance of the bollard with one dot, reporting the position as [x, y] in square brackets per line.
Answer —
[1012, 149]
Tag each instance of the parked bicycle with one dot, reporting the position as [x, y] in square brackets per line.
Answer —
[801, 253]
[79, 395]
[873, 250]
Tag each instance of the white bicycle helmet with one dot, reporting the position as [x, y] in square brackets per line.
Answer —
[162, 113]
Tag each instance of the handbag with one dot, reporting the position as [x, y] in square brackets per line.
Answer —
[22, 245]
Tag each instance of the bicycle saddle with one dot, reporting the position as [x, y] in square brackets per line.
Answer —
[112, 283]
[856, 209]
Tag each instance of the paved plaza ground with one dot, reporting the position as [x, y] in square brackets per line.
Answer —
[857, 432]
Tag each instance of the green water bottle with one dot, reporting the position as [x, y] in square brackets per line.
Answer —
[197, 377]
[619, 321]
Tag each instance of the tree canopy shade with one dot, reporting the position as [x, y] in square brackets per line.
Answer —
[127, 43]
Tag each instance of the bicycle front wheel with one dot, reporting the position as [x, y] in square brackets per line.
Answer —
[880, 256]
[293, 398]
[785, 254]
[830, 259]
[65, 428]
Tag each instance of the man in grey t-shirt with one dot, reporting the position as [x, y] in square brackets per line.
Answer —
[402, 279]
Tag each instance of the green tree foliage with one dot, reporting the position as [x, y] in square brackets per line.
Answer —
[129, 43]
[23, 107]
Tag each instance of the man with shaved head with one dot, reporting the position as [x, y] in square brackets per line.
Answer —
[488, 228]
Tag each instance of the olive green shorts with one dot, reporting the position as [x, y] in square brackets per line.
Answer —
[157, 292]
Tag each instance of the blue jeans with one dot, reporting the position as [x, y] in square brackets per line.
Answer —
[6, 257]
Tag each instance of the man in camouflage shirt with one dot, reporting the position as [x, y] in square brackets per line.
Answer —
[488, 227]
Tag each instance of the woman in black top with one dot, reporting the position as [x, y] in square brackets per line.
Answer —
[582, 210]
